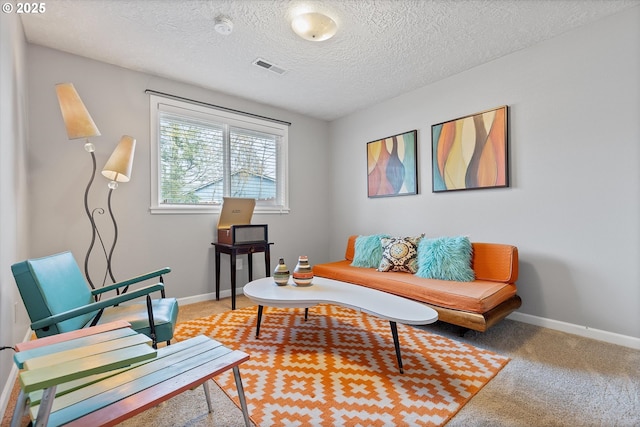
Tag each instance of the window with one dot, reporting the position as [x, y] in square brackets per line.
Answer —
[200, 154]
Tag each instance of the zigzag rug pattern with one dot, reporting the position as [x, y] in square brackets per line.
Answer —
[339, 368]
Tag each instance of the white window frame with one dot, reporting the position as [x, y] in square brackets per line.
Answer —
[159, 103]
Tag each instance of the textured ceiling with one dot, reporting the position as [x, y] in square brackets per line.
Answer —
[383, 48]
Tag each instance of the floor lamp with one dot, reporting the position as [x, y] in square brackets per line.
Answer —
[79, 124]
[118, 169]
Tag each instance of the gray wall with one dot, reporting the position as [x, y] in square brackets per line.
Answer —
[59, 170]
[572, 208]
[13, 185]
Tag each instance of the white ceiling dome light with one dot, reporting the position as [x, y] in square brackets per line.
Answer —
[223, 25]
[314, 26]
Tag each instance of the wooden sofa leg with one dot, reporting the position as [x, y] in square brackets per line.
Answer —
[462, 330]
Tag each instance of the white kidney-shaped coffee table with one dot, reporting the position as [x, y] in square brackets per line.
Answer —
[265, 292]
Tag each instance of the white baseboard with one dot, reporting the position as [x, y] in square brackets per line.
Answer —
[207, 297]
[8, 387]
[583, 331]
[6, 391]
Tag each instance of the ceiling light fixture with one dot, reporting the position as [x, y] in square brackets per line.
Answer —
[223, 25]
[314, 26]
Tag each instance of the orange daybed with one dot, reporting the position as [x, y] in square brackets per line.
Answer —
[473, 305]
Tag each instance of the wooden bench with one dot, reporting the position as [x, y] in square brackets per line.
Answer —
[104, 375]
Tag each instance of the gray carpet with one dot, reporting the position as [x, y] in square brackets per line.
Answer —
[553, 379]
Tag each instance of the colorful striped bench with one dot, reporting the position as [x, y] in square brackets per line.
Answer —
[104, 375]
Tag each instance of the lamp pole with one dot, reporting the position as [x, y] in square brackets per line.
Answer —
[112, 186]
[90, 148]
[118, 169]
[79, 124]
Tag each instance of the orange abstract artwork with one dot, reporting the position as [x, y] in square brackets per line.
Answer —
[391, 166]
[471, 152]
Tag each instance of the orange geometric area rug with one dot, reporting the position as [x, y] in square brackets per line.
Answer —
[339, 368]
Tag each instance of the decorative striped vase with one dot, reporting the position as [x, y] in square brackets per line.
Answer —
[303, 273]
[281, 273]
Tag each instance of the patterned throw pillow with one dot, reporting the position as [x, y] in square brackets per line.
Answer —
[368, 251]
[399, 254]
[446, 258]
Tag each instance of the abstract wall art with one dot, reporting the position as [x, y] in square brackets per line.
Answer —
[471, 152]
[392, 168]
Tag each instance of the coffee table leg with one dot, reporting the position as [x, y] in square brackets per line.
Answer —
[396, 343]
[259, 320]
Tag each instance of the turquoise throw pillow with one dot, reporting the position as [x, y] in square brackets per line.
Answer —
[368, 251]
[445, 258]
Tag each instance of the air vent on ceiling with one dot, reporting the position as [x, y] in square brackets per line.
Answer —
[269, 66]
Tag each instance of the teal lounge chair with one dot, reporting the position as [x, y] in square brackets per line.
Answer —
[58, 299]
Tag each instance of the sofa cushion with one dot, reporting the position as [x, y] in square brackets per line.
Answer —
[495, 261]
[368, 251]
[399, 254]
[478, 296]
[445, 258]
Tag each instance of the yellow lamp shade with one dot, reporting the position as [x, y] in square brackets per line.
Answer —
[76, 118]
[119, 165]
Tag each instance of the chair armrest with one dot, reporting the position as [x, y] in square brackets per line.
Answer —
[131, 281]
[89, 308]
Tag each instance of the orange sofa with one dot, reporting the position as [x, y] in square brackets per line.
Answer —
[473, 305]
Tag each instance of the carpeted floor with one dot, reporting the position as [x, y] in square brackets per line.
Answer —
[553, 379]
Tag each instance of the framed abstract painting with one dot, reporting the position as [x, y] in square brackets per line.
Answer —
[392, 165]
[471, 152]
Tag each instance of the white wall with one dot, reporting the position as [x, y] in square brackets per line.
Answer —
[59, 170]
[572, 208]
[13, 183]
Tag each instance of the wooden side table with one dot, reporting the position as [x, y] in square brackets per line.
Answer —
[243, 249]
